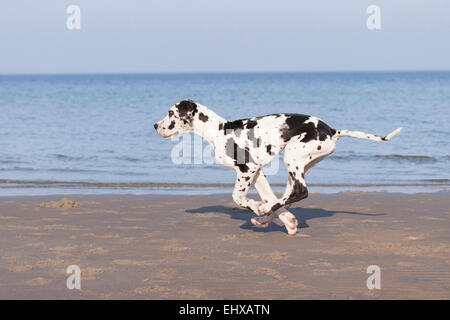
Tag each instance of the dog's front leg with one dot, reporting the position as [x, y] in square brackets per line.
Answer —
[244, 181]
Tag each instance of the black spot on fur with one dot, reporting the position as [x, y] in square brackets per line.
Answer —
[239, 125]
[268, 149]
[275, 207]
[295, 126]
[299, 192]
[251, 124]
[203, 117]
[243, 167]
[240, 156]
[311, 132]
[233, 125]
[172, 125]
[319, 147]
[187, 108]
[221, 126]
[324, 131]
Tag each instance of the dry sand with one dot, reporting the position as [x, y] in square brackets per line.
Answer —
[157, 247]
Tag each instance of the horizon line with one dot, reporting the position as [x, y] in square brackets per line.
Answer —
[218, 72]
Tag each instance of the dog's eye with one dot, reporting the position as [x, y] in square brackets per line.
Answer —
[170, 113]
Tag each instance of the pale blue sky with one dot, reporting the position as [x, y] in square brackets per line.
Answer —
[218, 35]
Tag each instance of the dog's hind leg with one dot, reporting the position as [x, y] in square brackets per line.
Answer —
[295, 159]
[296, 190]
[267, 195]
[299, 158]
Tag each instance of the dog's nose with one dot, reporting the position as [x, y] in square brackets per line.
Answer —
[155, 126]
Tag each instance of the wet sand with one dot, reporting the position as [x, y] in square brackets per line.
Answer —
[159, 247]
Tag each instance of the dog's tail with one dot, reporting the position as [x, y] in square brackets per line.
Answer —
[363, 135]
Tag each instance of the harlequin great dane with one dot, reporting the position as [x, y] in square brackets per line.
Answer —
[248, 145]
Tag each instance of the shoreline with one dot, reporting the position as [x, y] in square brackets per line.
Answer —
[14, 183]
[183, 194]
[203, 247]
[205, 192]
[49, 188]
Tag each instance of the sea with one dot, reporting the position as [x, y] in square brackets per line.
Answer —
[93, 133]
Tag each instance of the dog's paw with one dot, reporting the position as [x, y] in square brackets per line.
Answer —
[289, 220]
[293, 223]
[259, 222]
[264, 208]
[254, 205]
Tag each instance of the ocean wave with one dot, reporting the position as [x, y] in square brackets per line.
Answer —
[18, 169]
[74, 170]
[71, 158]
[109, 172]
[437, 180]
[414, 158]
[62, 156]
[129, 159]
[65, 157]
[348, 157]
[11, 161]
[393, 157]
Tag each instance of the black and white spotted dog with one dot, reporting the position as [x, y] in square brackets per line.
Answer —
[248, 145]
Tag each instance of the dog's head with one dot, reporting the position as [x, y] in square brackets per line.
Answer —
[179, 119]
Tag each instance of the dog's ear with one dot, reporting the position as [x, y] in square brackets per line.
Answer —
[187, 109]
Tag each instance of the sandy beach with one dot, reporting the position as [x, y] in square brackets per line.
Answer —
[203, 247]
